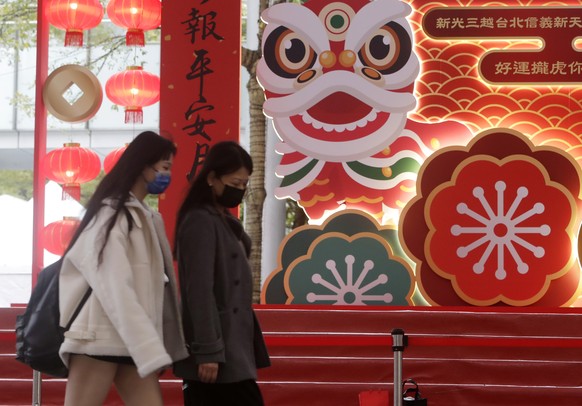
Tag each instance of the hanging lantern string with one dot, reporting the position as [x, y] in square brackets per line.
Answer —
[70, 166]
[134, 89]
[135, 57]
[135, 38]
[74, 38]
[134, 116]
[136, 17]
[74, 17]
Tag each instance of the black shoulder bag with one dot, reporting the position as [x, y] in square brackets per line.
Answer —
[38, 332]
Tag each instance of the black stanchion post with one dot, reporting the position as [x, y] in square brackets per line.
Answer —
[399, 343]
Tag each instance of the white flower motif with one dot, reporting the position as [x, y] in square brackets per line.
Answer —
[500, 231]
[348, 291]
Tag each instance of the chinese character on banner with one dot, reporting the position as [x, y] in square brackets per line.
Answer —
[200, 85]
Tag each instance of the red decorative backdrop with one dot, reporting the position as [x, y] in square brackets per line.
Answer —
[450, 86]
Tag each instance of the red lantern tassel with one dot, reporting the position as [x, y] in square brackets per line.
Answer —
[74, 38]
[133, 115]
[71, 191]
[134, 37]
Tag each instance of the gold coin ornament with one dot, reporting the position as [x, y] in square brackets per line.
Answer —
[72, 93]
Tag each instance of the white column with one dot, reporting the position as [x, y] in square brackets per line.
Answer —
[252, 24]
[273, 209]
[251, 43]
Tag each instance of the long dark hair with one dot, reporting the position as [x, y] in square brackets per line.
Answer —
[223, 158]
[145, 150]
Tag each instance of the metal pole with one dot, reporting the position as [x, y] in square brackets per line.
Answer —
[399, 342]
[36, 385]
[40, 131]
[40, 141]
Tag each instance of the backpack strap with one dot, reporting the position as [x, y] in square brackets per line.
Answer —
[78, 309]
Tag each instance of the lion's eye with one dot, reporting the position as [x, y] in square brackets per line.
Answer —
[287, 54]
[387, 50]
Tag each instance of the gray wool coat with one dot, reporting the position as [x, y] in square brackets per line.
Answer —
[216, 285]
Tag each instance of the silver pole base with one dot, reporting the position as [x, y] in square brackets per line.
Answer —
[36, 388]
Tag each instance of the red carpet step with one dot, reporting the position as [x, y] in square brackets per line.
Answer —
[326, 356]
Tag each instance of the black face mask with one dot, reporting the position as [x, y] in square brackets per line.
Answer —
[230, 197]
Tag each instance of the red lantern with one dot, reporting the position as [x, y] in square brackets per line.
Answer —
[137, 16]
[57, 235]
[112, 158]
[74, 16]
[71, 166]
[133, 88]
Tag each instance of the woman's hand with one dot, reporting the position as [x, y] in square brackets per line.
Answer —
[208, 372]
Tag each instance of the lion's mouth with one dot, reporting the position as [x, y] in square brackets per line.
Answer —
[339, 108]
[339, 117]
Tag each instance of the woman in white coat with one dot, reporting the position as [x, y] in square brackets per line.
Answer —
[129, 329]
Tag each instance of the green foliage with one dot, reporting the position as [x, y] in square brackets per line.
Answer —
[294, 216]
[18, 32]
[16, 183]
[87, 189]
[24, 104]
[20, 184]
[244, 12]
[17, 25]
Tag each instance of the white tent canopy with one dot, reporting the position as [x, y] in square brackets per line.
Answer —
[16, 217]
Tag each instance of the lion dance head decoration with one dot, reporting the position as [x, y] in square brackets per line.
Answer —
[339, 82]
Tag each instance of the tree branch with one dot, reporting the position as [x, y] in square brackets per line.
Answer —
[249, 58]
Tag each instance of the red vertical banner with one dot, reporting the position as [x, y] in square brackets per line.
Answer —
[200, 86]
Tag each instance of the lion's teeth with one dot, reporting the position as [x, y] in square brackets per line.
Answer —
[307, 119]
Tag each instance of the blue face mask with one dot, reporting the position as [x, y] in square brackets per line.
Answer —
[159, 184]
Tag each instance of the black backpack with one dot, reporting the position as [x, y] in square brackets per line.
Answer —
[38, 332]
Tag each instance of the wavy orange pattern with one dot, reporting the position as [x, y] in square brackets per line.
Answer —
[449, 86]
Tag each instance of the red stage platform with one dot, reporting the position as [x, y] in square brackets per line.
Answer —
[459, 357]
[324, 356]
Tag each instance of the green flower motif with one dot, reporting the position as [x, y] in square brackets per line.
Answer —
[349, 270]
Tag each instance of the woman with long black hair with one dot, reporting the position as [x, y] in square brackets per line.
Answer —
[129, 329]
[223, 335]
